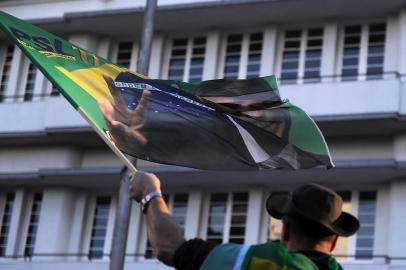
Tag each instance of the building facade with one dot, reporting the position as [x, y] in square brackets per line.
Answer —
[343, 62]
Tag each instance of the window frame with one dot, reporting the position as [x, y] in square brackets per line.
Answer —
[89, 227]
[3, 201]
[3, 58]
[167, 55]
[300, 79]
[363, 45]
[228, 214]
[114, 50]
[244, 52]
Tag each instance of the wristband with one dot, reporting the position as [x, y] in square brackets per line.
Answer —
[147, 199]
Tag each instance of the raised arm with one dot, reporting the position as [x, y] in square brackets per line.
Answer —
[163, 232]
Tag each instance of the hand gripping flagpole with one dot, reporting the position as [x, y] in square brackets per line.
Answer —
[121, 223]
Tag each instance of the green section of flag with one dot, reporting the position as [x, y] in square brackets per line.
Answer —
[33, 40]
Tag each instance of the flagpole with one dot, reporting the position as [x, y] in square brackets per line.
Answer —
[122, 221]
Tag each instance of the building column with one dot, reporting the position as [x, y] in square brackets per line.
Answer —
[14, 84]
[401, 53]
[155, 63]
[211, 61]
[17, 219]
[255, 207]
[103, 48]
[55, 223]
[134, 230]
[329, 52]
[78, 222]
[193, 213]
[396, 224]
[40, 86]
[392, 44]
[269, 51]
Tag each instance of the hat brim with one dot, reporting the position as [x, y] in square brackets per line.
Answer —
[345, 225]
[279, 204]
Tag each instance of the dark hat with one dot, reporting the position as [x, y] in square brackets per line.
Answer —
[316, 204]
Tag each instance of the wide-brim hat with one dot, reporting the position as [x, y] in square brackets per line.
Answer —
[316, 204]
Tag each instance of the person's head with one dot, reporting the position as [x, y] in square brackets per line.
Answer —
[312, 218]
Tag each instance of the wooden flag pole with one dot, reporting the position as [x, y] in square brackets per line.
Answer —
[122, 221]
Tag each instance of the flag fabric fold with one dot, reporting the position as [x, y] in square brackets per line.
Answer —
[214, 125]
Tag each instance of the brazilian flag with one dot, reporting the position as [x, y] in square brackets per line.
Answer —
[213, 125]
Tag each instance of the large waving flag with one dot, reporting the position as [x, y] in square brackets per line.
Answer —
[216, 125]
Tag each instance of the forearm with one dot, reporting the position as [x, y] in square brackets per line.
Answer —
[165, 235]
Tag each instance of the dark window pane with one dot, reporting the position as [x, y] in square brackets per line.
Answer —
[231, 69]
[350, 61]
[180, 42]
[196, 71]
[315, 32]
[290, 55]
[254, 57]
[376, 38]
[293, 33]
[125, 46]
[292, 44]
[256, 36]
[314, 42]
[219, 197]
[354, 29]
[377, 49]
[351, 51]
[233, 48]
[232, 59]
[234, 38]
[375, 60]
[199, 50]
[312, 64]
[199, 40]
[377, 27]
[290, 65]
[256, 47]
[253, 68]
[367, 195]
[178, 52]
[237, 230]
[311, 74]
[352, 40]
[288, 76]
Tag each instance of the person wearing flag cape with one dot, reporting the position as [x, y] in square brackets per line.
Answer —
[311, 215]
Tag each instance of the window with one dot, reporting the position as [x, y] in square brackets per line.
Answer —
[177, 204]
[124, 54]
[243, 53]
[363, 51]
[187, 59]
[227, 217]
[99, 227]
[54, 91]
[30, 82]
[6, 71]
[301, 56]
[33, 224]
[5, 222]
[366, 215]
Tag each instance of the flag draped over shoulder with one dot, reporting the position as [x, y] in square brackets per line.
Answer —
[217, 124]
